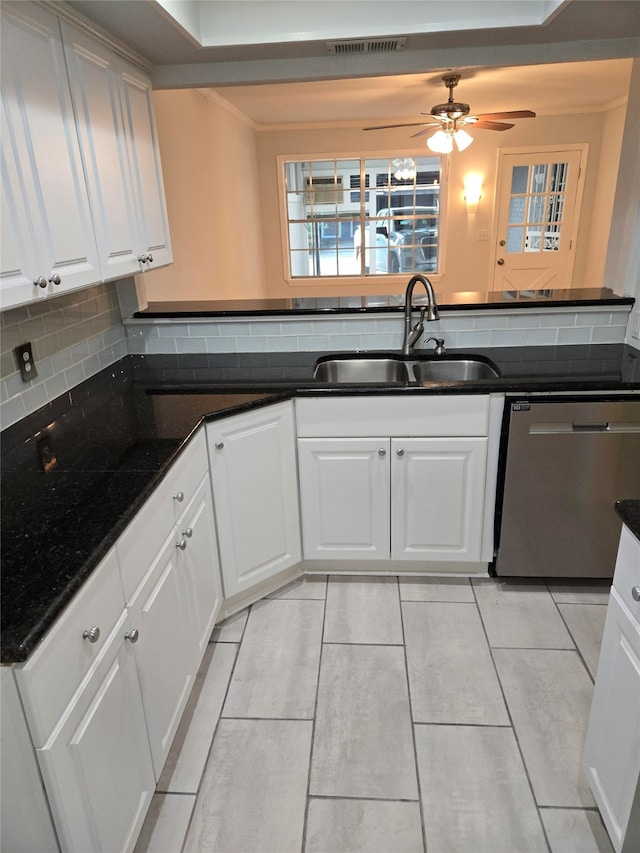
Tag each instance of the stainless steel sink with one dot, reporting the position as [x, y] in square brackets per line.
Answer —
[388, 369]
[361, 371]
[448, 369]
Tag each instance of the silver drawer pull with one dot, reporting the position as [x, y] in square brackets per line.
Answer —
[54, 278]
[179, 497]
[41, 281]
[92, 634]
[219, 445]
[400, 452]
[132, 635]
[181, 545]
[635, 593]
[382, 452]
[188, 532]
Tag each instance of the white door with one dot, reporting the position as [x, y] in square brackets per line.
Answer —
[96, 766]
[537, 218]
[344, 498]
[40, 144]
[255, 493]
[198, 559]
[165, 650]
[437, 494]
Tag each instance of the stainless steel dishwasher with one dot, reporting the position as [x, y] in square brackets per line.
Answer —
[567, 463]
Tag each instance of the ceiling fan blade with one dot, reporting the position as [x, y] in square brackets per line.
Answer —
[388, 126]
[490, 125]
[428, 129]
[508, 114]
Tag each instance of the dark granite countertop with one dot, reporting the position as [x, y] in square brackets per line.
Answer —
[115, 435]
[629, 512]
[473, 300]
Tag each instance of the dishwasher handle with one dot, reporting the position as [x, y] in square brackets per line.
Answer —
[591, 427]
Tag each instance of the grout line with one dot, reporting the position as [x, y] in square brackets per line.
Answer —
[340, 797]
[577, 649]
[413, 724]
[313, 725]
[512, 726]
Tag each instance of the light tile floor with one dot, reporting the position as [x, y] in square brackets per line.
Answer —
[390, 715]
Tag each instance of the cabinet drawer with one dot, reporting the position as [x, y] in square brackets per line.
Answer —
[364, 416]
[143, 538]
[48, 680]
[627, 573]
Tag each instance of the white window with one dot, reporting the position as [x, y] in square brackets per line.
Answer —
[362, 217]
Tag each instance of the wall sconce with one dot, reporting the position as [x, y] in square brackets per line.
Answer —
[472, 191]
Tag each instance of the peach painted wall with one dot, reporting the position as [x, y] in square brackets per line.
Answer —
[211, 185]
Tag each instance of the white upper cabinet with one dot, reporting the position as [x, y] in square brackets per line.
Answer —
[48, 244]
[114, 111]
[82, 192]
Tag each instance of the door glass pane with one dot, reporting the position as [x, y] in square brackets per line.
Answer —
[514, 239]
[516, 208]
[519, 179]
[536, 208]
[538, 178]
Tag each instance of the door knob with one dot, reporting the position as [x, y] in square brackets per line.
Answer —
[500, 261]
[502, 243]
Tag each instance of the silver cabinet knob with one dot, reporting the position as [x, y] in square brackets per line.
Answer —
[179, 496]
[41, 281]
[54, 278]
[382, 452]
[181, 545]
[149, 259]
[219, 445]
[132, 635]
[400, 452]
[188, 532]
[635, 593]
[91, 634]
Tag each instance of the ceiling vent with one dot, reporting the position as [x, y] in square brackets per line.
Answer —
[380, 45]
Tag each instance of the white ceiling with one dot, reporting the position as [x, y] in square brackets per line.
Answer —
[269, 58]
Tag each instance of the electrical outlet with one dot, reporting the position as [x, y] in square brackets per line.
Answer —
[482, 235]
[26, 363]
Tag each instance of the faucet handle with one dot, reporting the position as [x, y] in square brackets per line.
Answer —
[439, 342]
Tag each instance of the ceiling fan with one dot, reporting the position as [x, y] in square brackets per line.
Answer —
[452, 117]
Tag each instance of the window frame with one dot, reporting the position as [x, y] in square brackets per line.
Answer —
[351, 282]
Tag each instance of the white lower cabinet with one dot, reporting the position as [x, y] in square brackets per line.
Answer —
[612, 747]
[404, 497]
[82, 702]
[96, 765]
[255, 492]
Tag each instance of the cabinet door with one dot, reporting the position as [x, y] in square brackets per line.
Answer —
[39, 135]
[255, 494]
[198, 559]
[344, 498]
[96, 766]
[165, 649]
[612, 746]
[145, 166]
[94, 79]
[437, 495]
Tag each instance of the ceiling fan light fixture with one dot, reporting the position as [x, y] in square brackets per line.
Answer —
[441, 142]
[462, 139]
